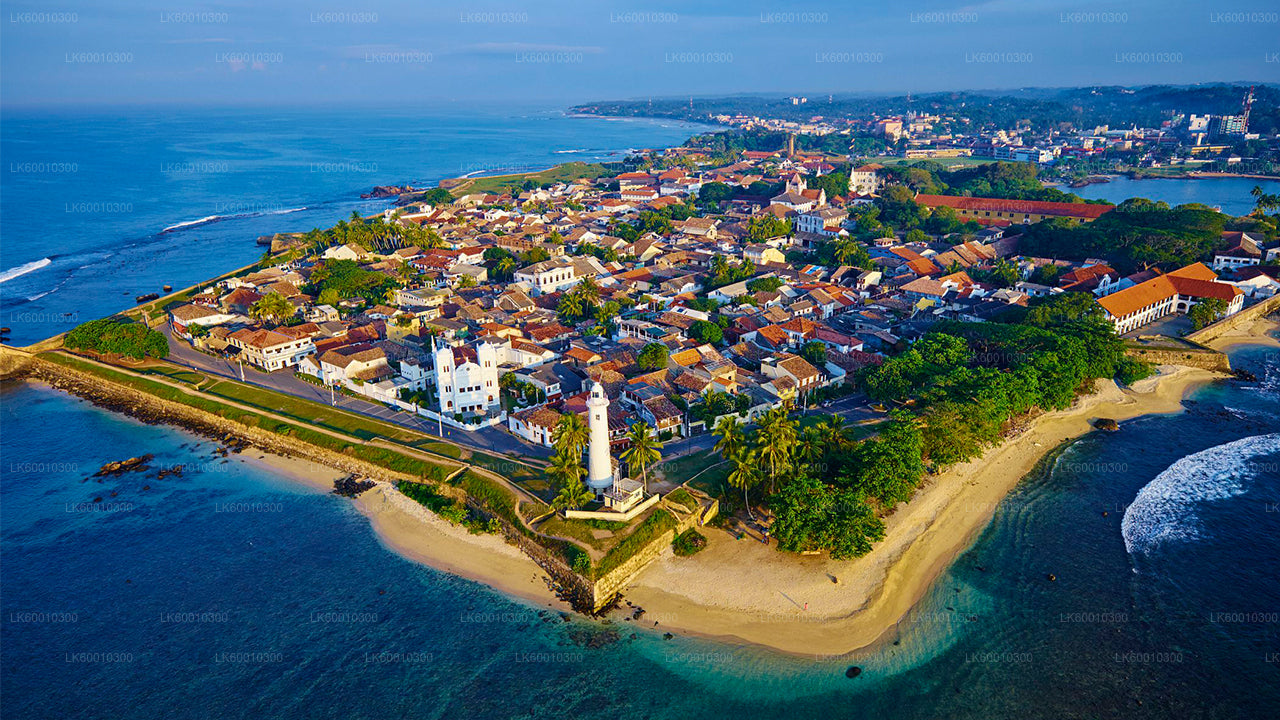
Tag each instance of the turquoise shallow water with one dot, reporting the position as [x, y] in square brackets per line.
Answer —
[231, 592]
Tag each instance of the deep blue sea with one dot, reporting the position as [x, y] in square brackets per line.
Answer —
[85, 199]
[229, 592]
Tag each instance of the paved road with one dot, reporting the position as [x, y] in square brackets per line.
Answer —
[854, 408]
[486, 439]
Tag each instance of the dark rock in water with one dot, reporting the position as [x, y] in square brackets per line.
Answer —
[853, 672]
[386, 191]
[350, 486]
[120, 467]
[1245, 375]
[667, 636]
[1106, 424]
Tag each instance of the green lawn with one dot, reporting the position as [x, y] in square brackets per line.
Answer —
[383, 457]
[173, 373]
[699, 469]
[319, 414]
[502, 183]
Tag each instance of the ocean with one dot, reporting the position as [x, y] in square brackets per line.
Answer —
[232, 592]
[97, 209]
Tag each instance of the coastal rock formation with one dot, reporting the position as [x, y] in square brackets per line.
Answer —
[350, 486]
[119, 467]
[386, 191]
[1106, 424]
[853, 671]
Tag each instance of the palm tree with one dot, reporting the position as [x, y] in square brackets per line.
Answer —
[813, 447]
[588, 290]
[644, 451]
[272, 306]
[572, 495]
[565, 471]
[729, 430]
[834, 432]
[745, 475]
[404, 273]
[775, 443]
[571, 436]
[570, 307]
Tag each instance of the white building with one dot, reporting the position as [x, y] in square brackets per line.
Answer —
[467, 379]
[827, 221]
[548, 276]
[269, 349]
[865, 180]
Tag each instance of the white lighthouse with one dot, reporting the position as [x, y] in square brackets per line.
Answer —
[599, 464]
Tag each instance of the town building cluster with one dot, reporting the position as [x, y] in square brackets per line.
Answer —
[527, 300]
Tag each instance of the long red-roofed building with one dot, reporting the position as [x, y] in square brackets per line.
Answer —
[999, 211]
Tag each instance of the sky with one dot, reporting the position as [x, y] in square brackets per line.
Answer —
[86, 53]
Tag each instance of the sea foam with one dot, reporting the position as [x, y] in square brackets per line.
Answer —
[23, 269]
[1164, 509]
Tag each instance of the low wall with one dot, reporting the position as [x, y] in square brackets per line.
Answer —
[1189, 357]
[13, 362]
[152, 409]
[606, 588]
[1245, 316]
[613, 516]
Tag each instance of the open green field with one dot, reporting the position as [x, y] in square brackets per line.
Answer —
[314, 413]
[502, 183]
[355, 446]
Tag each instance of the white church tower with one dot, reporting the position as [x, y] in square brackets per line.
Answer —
[599, 464]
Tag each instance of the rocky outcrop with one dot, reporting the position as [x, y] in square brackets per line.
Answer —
[388, 191]
[350, 486]
[120, 467]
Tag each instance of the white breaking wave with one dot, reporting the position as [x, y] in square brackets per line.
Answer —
[1165, 508]
[286, 212]
[23, 269]
[189, 223]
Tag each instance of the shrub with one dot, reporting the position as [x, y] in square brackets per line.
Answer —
[114, 336]
[688, 543]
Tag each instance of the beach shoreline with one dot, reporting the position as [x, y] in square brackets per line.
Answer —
[742, 592]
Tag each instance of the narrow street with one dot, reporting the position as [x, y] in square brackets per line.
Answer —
[492, 440]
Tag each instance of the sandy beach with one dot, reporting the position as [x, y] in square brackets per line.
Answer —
[1259, 332]
[742, 591]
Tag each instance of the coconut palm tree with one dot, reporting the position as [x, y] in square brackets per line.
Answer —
[812, 447]
[745, 475]
[834, 432]
[571, 436]
[729, 430]
[564, 471]
[644, 451]
[776, 443]
[272, 306]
